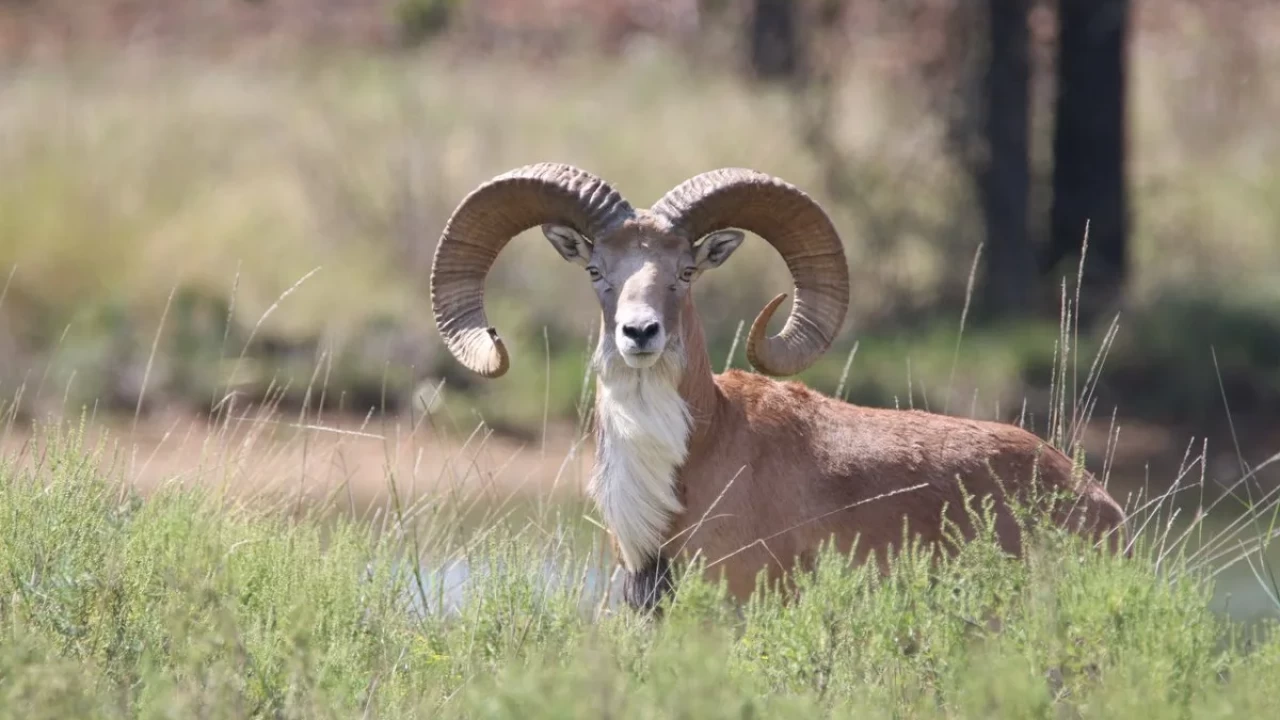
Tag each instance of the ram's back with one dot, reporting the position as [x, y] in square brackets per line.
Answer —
[870, 469]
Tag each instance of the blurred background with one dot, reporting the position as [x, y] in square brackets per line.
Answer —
[209, 207]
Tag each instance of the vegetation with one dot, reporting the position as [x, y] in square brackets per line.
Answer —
[420, 20]
[146, 204]
[183, 235]
[189, 602]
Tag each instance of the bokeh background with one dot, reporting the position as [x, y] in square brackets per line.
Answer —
[216, 208]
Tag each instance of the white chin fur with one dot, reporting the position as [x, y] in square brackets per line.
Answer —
[638, 361]
[645, 427]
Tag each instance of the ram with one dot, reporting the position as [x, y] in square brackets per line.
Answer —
[749, 472]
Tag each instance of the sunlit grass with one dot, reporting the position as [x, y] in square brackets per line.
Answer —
[188, 601]
[241, 589]
[252, 575]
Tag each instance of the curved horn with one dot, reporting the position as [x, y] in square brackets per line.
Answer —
[482, 225]
[803, 235]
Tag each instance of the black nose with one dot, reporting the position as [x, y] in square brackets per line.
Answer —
[641, 333]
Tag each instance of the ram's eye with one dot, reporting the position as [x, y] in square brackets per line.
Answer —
[594, 273]
[686, 275]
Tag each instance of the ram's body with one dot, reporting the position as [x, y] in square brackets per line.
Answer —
[773, 469]
[745, 471]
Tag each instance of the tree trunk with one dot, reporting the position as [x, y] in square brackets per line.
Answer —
[775, 40]
[1089, 146]
[1005, 176]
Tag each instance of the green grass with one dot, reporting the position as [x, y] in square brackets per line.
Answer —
[145, 204]
[189, 603]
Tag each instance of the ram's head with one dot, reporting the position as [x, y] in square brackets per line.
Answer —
[642, 263]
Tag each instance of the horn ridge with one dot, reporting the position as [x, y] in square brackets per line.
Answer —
[799, 230]
[482, 225]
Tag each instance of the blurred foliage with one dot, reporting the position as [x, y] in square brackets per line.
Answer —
[421, 20]
[266, 223]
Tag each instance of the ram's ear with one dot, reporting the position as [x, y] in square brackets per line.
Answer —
[571, 244]
[716, 248]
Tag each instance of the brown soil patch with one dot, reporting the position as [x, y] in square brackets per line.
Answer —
[358, 464]
[343, 459]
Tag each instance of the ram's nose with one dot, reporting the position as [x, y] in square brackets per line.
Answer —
[641, 334]
[641, 340]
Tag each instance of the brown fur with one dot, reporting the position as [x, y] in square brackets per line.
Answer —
[793, 455]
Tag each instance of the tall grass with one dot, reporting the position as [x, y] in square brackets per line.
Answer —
[188, 604]
[458, 603]
[254, 578]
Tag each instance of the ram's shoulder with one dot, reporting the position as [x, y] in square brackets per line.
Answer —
[765, 401]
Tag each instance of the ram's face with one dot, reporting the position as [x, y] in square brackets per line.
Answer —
[641, 277]
[642, 261]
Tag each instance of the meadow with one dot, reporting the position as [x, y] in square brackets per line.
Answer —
[261, 574]
[200, 602]
[240, 477]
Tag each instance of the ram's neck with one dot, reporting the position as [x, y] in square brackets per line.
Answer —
[645, 420]
[697, 382]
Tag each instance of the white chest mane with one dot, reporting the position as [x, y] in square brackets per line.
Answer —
[644, 436]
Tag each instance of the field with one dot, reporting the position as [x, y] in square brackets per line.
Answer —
[269, 565]
[240, 477]
[195, 601]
